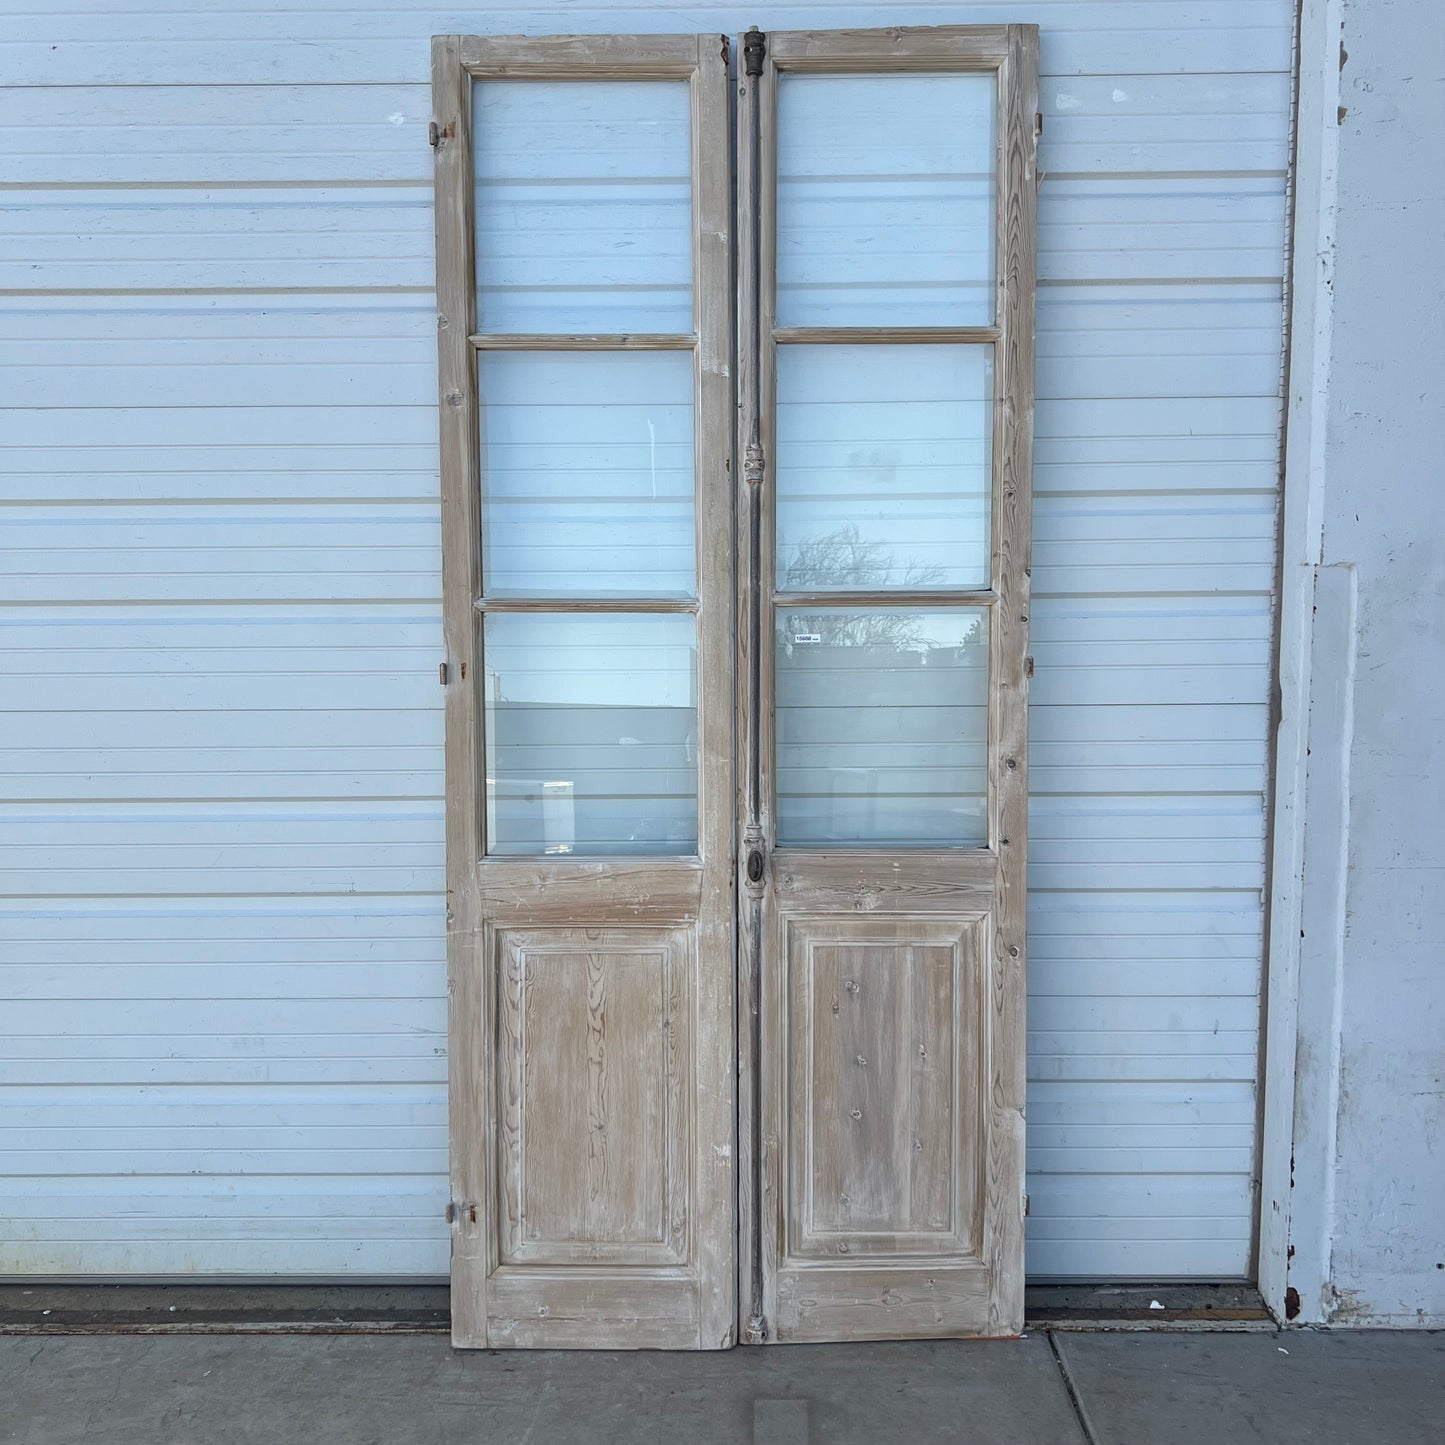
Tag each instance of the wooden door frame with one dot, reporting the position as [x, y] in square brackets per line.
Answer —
[1011, 52]
[619, 893]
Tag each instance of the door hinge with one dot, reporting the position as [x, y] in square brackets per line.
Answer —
[1028, 667]
[467, 1213]
[1026, 1206]
[755, 46]
[433, 134]
[1038, 124]
[442, 673]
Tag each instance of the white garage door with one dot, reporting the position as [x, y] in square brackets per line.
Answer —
[221, 955]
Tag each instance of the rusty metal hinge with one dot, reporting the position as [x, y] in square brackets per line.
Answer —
[1026, 1206]
[1028, 666]
[442, 673]
[465, 1212]
[433, 134]
[1038, 124]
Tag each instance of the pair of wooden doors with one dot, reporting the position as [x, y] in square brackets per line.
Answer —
[736, 416]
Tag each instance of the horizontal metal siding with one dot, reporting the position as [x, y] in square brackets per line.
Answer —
[221, 938]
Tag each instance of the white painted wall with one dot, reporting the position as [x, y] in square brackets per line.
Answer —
[1366, 1235]
[221, 960]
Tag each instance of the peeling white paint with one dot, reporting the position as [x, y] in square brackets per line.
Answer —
[1357, 1169]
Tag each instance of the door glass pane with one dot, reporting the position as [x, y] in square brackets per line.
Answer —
[587, 473]
[583, 205]
[882, 726]
[591, 729]
[883, 466]
[885, 200]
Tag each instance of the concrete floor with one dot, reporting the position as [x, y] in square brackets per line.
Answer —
[1305, 1388]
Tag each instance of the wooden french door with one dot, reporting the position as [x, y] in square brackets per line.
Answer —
[583, 223]
[735, 682]
[887, 323]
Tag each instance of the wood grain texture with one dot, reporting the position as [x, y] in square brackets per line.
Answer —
[593, 1073]
[714, 1163]
[469, 1101]
[884, 1111]
[914, 881]
[552, 1309]
[844, 1103]
[903, 47]
[563, 890]
[583, 57]
[586, 604]
[592, 1062]
[886, 335]
[879, 1302]
[593, 341]
[1008, 693]
[893, 597]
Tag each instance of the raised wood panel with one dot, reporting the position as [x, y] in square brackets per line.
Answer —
[592, 1052]
[883, 1068]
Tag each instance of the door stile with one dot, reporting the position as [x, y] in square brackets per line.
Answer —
[470, 1111]
[715, 1024]
[1010, 665]
[772, 1186]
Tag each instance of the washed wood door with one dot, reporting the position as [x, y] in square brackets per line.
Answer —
[887, 323]
[583, 224]
[858, 628]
